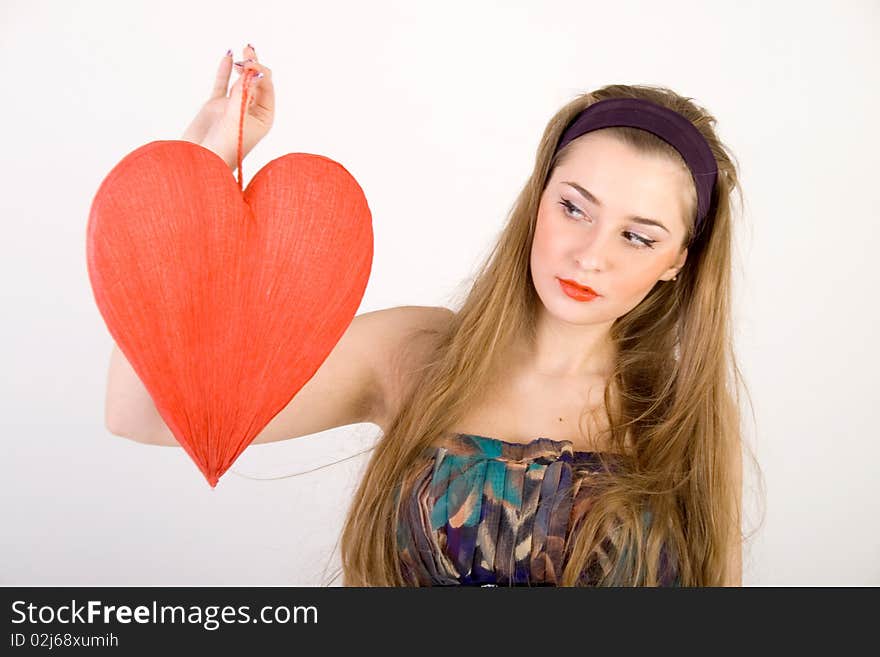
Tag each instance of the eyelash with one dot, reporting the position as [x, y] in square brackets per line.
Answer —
[643, 241]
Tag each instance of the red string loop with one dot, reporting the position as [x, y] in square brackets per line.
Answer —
[245, 82]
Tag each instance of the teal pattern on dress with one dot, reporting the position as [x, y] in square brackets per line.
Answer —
[481, 511]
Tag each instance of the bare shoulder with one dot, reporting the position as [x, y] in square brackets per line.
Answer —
[409, 318]
[408, 338]
[393, 329]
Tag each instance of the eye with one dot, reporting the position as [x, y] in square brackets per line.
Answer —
[634, 239]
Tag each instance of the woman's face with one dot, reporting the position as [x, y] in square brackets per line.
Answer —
[593, 236]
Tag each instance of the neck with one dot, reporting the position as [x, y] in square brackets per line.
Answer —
[562, 350]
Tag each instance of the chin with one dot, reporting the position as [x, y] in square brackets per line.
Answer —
[561, 307]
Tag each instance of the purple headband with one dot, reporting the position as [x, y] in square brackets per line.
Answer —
[667, 124]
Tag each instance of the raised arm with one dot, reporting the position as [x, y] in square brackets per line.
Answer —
[353, 384]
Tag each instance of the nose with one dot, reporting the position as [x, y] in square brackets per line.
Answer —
[593, 248]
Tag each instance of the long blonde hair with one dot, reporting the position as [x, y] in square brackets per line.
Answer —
[674, 390]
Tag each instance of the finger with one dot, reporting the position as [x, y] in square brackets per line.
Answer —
[249, 52]
[263, 92]
[236, 91]
[260, 91]
[244, 64]
[240, 68]
[221, 80]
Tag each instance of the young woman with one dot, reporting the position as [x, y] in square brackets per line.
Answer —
[575, 421]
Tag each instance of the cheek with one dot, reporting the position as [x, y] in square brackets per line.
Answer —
[636, 284]
[546, 245]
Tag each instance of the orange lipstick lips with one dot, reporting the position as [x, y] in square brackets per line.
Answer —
[577, 292]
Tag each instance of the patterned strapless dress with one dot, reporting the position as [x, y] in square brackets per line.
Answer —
[487, 512]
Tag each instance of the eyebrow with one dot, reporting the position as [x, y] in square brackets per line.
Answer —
[592, 199]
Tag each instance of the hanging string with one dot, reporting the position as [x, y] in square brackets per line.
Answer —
[301, 472]
[245, 86]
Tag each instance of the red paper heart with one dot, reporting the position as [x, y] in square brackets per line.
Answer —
[226, 303]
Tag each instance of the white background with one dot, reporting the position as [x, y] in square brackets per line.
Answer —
[436, 109]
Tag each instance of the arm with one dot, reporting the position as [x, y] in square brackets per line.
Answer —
[350, 386]
[211, 145]
[231, 160]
